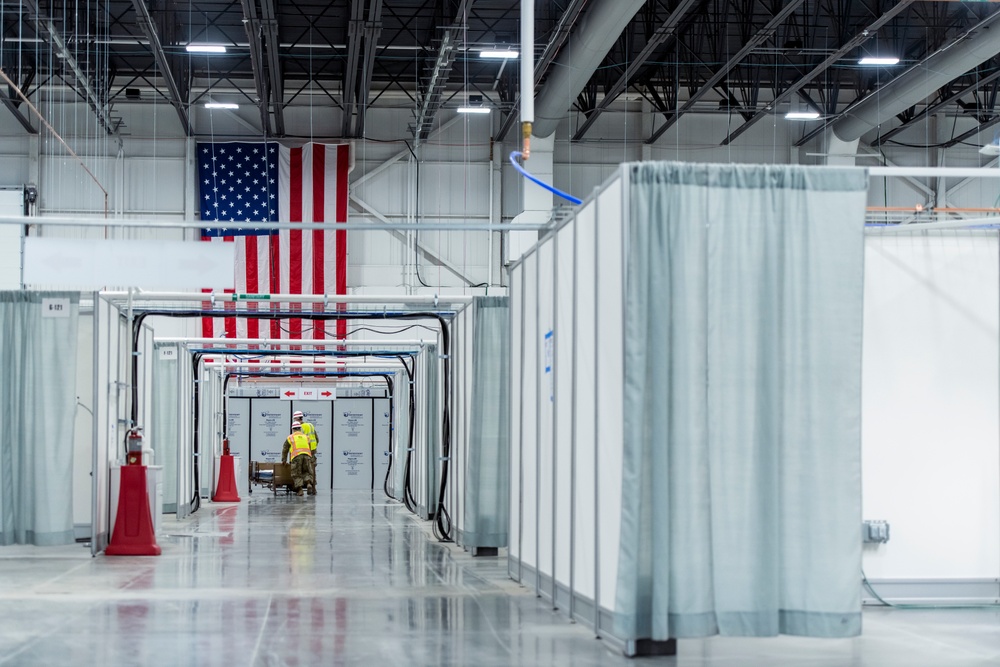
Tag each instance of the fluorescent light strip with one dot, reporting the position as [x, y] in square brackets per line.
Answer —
[878, 61]
[220, 105]
[801, 115]
[205, 48]
[498, 53]
[473, 109]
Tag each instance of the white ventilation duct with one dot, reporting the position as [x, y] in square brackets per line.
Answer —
[595, 34]
[920, 81]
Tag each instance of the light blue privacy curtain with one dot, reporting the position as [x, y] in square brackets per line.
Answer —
[742, 466]
[38, 334]
[487, 502]
[165, 422]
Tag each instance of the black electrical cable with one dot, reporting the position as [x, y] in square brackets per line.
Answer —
[196, 435]
[388, 331]
[407, 494]
[442, 526]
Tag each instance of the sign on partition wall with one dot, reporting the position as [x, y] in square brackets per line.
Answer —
[238, 432]
[320, 415]
[352, 444]
[270, 424]
[354, 432]
[381, 435]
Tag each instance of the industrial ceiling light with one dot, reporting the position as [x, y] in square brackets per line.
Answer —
[221, 105]
[205, 48]
[868, 60]
[474, 105]
[801, 115]
[498, 53]
[797, 112]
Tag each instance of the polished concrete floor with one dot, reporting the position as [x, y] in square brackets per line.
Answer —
[349, 579]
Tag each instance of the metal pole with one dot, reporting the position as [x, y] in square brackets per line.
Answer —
[597, 424]
[95, 433]
[520, 441]
[572, 431]
[554, 401]
[402, 225]
[539, 356]
[435, 300]
[286, 342]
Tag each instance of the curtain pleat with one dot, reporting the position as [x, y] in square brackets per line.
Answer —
[742, 464]
[487, 503]
[38, 341]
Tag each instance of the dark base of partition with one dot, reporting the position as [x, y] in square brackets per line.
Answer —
[644, 648]
[579, 608]
[484, 551]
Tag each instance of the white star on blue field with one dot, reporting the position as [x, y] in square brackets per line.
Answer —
[238, 182]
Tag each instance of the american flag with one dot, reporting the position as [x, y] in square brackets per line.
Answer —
[267, 182]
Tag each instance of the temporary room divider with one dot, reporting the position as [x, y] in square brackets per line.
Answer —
[481, 485]
[38, 334]
[686, 454]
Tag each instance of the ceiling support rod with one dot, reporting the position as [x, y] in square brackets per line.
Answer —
[829, 61]
[430, 100]
[58, 43]
[664, 33]
[148, 28]
[762, 36]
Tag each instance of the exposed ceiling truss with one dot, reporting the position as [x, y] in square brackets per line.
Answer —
[746, 59]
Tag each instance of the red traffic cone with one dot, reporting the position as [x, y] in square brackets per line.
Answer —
[133, 534]
[226, 491]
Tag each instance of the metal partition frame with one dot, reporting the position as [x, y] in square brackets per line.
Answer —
[566, 431]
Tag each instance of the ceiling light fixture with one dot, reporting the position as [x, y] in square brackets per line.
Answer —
[878, 61]
[473, 109]
[221, 105]
[801, 115]
[205, 48]
[498, 53]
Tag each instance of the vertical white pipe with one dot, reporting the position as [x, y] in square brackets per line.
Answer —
[527, 73]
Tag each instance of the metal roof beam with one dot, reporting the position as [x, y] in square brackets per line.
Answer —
[430, 100]
[148, 28]
[762, 36]
[277, 91]
[829, 61]
[48, 27]
[252, 23]
[373, 29]
[355, 34]
[662, 35]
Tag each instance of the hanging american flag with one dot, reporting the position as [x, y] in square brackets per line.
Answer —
[267, 182]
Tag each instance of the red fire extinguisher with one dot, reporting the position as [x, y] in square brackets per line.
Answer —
[135, 446]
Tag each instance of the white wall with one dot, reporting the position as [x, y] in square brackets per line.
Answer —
[11, 203]
[931, 415]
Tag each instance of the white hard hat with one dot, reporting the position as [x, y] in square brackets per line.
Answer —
[296, 424]
[297, 414]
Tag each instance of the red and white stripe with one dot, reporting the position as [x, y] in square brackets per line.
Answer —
[312, 188]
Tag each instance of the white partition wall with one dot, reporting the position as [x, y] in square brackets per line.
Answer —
[164, 430]
[320, 415]
[11, 238]
[479, 485]
[238, 433]
[932, 414]
[566, 364]
[569, 527]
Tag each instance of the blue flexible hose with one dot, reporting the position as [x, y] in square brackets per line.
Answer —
[513, 160]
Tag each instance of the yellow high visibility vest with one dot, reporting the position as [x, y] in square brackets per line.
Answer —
[309, 431]
[298, 444]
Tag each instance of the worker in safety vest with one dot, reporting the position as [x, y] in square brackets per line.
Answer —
[297, 449]
[309, 431]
